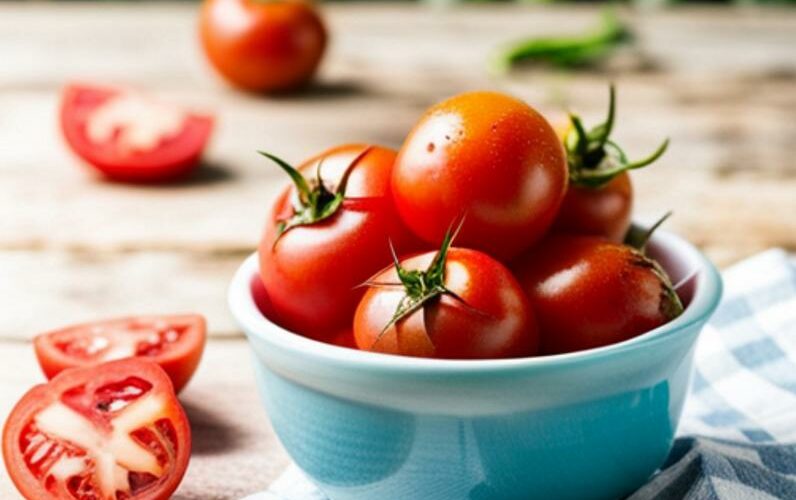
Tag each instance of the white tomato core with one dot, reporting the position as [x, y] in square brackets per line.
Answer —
[109, 455]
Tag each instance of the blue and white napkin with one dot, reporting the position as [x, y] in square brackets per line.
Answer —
[737, 436]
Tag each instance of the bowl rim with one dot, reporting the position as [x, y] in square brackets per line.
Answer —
[708, 292]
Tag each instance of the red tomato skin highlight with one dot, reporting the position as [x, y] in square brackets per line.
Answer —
[499, 322]
[603, 211]
[41, 395]
[171, 160]
[312, 274]
[180, 360]
[263, 46]
[588, 292]
[488, 157]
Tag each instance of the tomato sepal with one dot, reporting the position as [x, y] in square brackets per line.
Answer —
[637, 239]
[593, 158]
[422, 286]
[315, 202]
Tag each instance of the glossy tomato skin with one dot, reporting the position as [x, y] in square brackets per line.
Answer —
[171, 157]
[486, 156]
[263, 46]
[344, 338]
[603, 211]
[496, 322]
[176, 343]
[312, 274]
[98, 396]
[589, 292]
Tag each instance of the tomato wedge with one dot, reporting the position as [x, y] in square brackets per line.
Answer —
[114, 431]
[175, 343]
[129, 136]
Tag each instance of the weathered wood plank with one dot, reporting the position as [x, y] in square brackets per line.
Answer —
[720, 82]
[235, 451]
[420, 39]
[730, 160]
[730, 118]
[46, 290]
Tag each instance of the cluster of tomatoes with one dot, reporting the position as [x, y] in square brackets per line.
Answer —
[486, 236]
[108, 424]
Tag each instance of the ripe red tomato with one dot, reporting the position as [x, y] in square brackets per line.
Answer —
[344, 338]
[589, 292]
[114, 430]
[477, 309]
[600, 196]
[175, 343]
[490, 157]
[311, 271]
[261, 298]
[131, 137]
[599, 211]
[263, 46]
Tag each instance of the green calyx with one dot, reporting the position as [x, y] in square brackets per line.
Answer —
[593, 158]
[314, 201]
[670, 306]
[421, 286]
[637, 239]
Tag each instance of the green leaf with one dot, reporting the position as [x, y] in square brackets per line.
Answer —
[565, 51]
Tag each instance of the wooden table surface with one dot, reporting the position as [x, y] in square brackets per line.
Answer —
[721, 82]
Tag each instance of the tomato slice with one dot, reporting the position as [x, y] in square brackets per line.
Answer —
[175, 343]
[114, 431]
[129, 136]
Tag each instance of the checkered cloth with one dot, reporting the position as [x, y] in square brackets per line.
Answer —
[738, 430]
[739, 423]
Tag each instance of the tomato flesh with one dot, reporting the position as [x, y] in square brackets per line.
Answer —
[131, 137]
[174, 342]
[113, 431]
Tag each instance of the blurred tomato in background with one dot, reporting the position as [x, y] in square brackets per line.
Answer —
[263, 46]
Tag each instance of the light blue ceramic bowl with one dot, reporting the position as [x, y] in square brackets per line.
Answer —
[591, 424]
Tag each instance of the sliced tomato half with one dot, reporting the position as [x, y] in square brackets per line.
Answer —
[114, 431]
[130, 136]
[175, 343]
